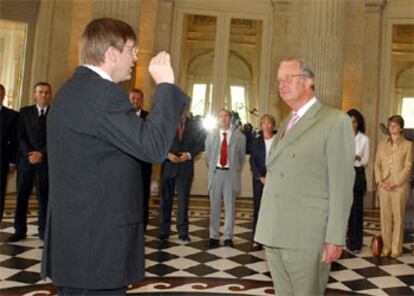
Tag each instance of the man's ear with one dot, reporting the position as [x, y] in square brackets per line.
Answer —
[112, 55]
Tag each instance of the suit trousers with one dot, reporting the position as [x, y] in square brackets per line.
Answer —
[37, 174]
[257, 198]
[356, 216]
[146, 169]
[297, 272]
[222, 187]
[3, 186]
[183, 185]
[392, 208]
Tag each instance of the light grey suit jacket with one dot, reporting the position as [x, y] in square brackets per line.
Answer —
[236, 153]
[310, 176]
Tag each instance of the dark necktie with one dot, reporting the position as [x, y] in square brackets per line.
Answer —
[223, 150]
[42, 125]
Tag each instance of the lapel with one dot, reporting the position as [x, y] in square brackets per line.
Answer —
[306, 122]
[34, 116]
[233, 139]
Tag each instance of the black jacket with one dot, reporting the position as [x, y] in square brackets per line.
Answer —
[94, 237]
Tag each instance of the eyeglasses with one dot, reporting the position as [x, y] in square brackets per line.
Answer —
[288, 78]
[134, 50]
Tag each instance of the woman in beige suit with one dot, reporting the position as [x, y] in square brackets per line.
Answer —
[393, 162]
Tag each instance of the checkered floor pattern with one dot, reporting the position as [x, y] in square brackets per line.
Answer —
[173, 259]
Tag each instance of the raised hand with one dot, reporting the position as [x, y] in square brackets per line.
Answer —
[160, 68]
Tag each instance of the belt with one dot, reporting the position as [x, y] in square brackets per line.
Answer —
[222, 168]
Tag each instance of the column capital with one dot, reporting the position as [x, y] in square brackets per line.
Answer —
[375, 5]
[280, 5]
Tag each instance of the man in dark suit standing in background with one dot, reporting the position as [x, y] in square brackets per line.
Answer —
[8, 135]
[94, 242]
[32, 161]
[177, 171]
[136, 97]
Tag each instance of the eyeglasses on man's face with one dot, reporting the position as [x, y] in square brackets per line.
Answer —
[134, 49]
[288, 78]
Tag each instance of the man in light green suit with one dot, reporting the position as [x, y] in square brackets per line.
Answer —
[308, 191]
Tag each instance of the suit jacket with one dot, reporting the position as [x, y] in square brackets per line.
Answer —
[146, 166]
[94, 236]
[394, 166]
[192, 142]
[31, 136]
[310, 175]
[258, 158]
[236, 153]
[8, 128]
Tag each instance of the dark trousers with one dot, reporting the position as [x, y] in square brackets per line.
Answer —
[3, 185]
[257, 199]
[146, 184]
[66, 291]
[37, 175]
[356, 217]
[167, 194]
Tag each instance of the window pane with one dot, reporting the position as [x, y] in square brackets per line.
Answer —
[244, 65]
[198, 99]
[407, 112]
[197, 59]
[238, 101]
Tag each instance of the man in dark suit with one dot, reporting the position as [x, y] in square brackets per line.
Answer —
[94, 242]
[177, 171]
[8, 136]
[32, 161]
[136, 97]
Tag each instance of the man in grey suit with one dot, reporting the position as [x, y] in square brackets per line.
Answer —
[225, 151]
[308, 191]
[94, 240]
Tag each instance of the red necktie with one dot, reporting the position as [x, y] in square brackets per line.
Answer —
[223, 150]
[180, 130]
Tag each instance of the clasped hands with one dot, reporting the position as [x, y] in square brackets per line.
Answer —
[178, 158]
[387, 186]
[35, 157]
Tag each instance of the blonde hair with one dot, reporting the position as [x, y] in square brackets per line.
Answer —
[269, 118]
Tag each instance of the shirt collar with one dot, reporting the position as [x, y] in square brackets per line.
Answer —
[99, 71]
[306, 107]
[40, 108]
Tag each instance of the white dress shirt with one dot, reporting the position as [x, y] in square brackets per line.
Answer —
[361, 149]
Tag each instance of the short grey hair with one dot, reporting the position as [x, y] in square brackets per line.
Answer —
[305, 68]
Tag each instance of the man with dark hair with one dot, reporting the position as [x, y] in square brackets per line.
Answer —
[32, 161]
[308, 191]
[177, 172]
[8, 136]
[136, 97]
[94, 243]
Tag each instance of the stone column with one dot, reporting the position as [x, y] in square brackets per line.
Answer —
[147, 28]
[370, 92]
[41, 54]
[322, 37]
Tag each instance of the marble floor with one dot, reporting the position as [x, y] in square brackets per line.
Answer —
[175, 268]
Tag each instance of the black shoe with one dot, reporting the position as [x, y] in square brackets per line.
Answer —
[212, 243]
[15, 237]
[228, 243]
[163, 237]
[185, 238]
